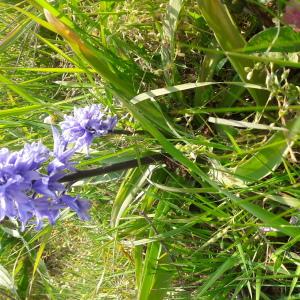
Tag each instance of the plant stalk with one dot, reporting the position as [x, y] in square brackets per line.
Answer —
[130, 164]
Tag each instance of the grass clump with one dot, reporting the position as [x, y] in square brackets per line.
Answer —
[213, 87]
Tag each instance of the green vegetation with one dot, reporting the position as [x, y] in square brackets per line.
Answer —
[214, 86]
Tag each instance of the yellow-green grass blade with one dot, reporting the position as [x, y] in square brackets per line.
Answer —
[252, 57]
[18, 90]
[37, 108]
[235, 109]
[295, 280]
[38, 259]
[29, 15]
[14, 34]
[46, 70]
[57, 50]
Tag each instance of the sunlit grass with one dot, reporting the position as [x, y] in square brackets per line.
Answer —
[219, 219]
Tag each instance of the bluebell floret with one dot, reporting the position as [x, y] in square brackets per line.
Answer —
[85, 124]
[61, 154]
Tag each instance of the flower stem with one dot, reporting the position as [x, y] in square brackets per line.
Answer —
[81, 174]
[127, 132]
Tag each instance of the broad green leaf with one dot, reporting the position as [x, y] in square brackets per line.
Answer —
[282, 39]
[268, 159]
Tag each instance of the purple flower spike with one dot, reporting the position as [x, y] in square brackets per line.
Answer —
[45, 210]
[85, 124]
[26, 193]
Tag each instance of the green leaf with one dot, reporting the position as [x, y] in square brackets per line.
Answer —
[282, 39]
[154, 280]
[268, 159]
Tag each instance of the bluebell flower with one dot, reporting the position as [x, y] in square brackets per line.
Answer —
[49, 185]
[18, 170]
[80, 206]
[50, 210]
[27, 193]
[85, 124]
[45, 209]
[61, 154]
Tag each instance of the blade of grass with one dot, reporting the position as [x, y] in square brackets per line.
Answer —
[228, 264]
[168, 39]
[19, 90]
[131, 185]
[14, 34]
[228, 36]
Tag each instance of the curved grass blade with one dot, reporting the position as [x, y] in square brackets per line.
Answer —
[154, 280]
[187, 86]
[19, 90]
[6, 281]
[132, 183]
